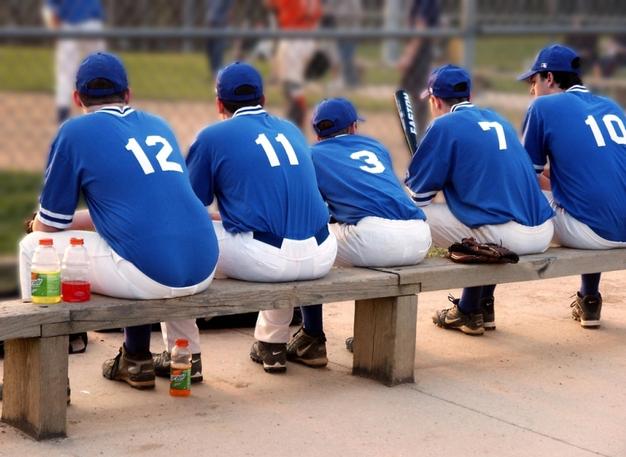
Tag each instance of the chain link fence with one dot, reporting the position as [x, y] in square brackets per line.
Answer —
[164, 45]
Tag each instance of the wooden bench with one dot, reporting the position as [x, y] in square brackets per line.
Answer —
[36, 360]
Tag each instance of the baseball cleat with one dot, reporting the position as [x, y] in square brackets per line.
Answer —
[307, 350]
[587, 309]
[273, 356]
[455, 319]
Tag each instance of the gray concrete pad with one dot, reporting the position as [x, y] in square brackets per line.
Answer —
[540, 385]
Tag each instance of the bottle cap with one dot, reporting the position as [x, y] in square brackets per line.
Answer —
[45, 242]
[76, 241]
[181, 342]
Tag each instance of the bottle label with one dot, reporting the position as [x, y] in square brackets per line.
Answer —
[45, 284]
[180, 378]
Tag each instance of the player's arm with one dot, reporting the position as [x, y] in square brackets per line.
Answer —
[412, 47]
[50, 15]
[533, 140]
[429, 167]
[201, 175]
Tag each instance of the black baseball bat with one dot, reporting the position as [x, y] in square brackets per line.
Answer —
[407, 119]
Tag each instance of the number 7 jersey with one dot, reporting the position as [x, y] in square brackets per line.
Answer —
[584, 138]
[129, 168]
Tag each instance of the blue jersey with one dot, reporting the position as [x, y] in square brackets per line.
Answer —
[259, 168]
[356, 178]
[133, 177]
[475, 157]
[584, 137]
[76, 11]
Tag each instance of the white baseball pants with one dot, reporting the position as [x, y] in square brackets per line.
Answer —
[68, 55]
[243, 257]
[572, 233]
[447, 229]
[377, 242]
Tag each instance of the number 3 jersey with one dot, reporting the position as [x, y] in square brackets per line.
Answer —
[475, 157]
[133, 178]
[584, 137]
[355, 176]
[259, 169]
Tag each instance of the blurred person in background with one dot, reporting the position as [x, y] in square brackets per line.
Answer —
[71, 15]
[417, 58]
[293, 55]
[345, 14]
[217, 17]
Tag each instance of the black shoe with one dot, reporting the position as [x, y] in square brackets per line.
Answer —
[273, 356]
[489, 314]
[587, 310]
[162, 366]
[307, 350]
[350, 344]
[455, 319]
[78, 343]
[137, 370]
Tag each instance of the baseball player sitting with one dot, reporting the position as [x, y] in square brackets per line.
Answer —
[474, 156]
[274, 223]
[377, 223]
[152, 236]
[583, 136]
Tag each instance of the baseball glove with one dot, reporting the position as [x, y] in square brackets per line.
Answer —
[28, 223]
[470, 251]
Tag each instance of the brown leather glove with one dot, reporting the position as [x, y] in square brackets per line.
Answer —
[28, 223]
[470, 251]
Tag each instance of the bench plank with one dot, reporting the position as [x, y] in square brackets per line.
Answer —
[24, 320]
[228, 296]
[441, 274]
[35, 385]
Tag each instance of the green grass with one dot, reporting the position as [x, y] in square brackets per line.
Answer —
[18, 199]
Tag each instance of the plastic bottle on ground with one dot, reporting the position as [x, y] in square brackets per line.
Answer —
[75, 286]
[45, 274]
[180, 369]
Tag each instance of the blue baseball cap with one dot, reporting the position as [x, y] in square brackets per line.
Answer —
[334, 114]
[555, 57]
[239, 82]
[448, 81]
[101, 65]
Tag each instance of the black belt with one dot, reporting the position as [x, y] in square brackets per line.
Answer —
[277, 241]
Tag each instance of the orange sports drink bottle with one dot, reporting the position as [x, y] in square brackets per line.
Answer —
[180, 369]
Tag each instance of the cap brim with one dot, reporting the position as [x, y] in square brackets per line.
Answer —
[524, 76]
[425, 94]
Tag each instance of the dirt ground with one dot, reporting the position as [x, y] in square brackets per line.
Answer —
[539, 385]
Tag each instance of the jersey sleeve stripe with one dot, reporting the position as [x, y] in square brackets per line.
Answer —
[538, 168]
[422, 202]
[422, 195]
[53, 223]
[51, 214]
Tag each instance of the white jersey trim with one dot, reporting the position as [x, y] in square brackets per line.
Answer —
[45, 212]
[425, 194]
[538, 168]
[50, 223]
[461, 105]
[577, 88]
[249, 110]
[119, 111]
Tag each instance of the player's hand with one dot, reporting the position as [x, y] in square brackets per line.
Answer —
[28, 223]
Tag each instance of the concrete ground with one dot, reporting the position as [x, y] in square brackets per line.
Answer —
[539, 385]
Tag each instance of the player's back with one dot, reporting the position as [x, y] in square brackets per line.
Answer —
[585, 138]
[491, 179]
[259, 168]
[355, 175]
[136, 186]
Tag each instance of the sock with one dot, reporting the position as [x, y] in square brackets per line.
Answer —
[470, 299]
[137, 339]
[589, 284]
[312, 320]
[488, 291]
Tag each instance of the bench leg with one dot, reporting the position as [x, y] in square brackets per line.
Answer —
[35, 386]
[384, 339]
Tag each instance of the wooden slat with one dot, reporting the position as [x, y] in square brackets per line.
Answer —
[35, 386]
[384, 339]
[440, 274]
[24, 320]
[227, 296]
